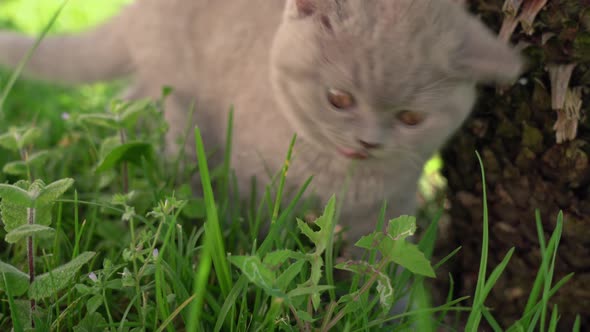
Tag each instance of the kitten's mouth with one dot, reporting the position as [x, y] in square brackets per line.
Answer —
[354, 154]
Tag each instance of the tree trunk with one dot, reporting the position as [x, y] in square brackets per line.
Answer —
[534, 159]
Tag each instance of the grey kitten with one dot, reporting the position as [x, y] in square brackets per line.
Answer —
[372, 87]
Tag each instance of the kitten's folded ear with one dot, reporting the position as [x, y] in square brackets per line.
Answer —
[300, 8]
[483, 57]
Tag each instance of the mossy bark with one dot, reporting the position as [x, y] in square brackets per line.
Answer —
[526, 169]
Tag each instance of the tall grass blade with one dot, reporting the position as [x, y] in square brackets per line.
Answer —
[19, 69]
[475, 315]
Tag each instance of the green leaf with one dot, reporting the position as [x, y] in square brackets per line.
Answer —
[8, 140]
[105, 120]
[17, 280]
[94, 303]
[21, 196]
[410, 257]
[398, 250]
[14, 215]
[276, 258]
[307, 231]
[370, 241]
[29, 136]
[132, 152]
[53, 191]
[133, 110]
[16, 168]
[35, 190]
[38, 158]
[27, 230]
[402, 227]
[93, 322]
[15, 194]
[52, 282]
[324, 222]
[305, 316]
[384, 287]
[17, 138]
[257, 273]
[289, 274]
[307, 290]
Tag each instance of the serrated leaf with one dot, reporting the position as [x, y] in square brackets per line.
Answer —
[15, 195]
[285, 279]
[8, 140]
[384, 287]
[29, 136]
[279, 257]
[410, 257]
[105, 120]
[385, 291]
[38, 158]
[53, 191]
[370, 241]
[133, 110]
[307, 290]
[27, 230]
[17, 280]
[317, 263]
[402, 227]
[132, 152]
[326, 219]
[307, 231]
[257, 273]
[35, 188]
[93, 322]
[14, 216]
[52, 282]
[16, 168]
[399, 251]
[324, 222]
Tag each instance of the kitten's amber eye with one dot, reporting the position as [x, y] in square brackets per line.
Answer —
[411, 118]
[342, 100]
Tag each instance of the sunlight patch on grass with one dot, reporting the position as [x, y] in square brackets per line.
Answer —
[30, 16]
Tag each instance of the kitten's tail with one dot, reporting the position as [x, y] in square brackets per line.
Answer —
[97, 55]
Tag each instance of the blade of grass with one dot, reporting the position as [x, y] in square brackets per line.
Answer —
[493, 323]
[267, 243]
[495, 275]
[18, 70]
[230, 301]
[577, 324]
[213, 248]
[443, 314]
[536, 290]
[277, 205]
[535, 311]
[16, 324]
[549, 273]
[554, 320]
[174, 314]
[446, 258]
[475, 315]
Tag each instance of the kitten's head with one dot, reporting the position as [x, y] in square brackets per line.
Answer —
[370, 79]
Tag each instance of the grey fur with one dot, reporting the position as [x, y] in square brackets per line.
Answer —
[274, 60]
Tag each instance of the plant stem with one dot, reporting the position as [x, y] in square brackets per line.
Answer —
[364, 289]
[31, 259]
[125, 166]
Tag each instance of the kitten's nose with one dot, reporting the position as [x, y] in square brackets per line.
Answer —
[369, 145]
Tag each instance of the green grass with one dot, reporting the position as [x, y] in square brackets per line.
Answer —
[130, 246]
